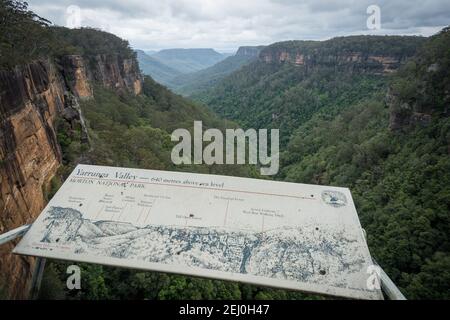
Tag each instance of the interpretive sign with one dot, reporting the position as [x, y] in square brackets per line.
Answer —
[285, 235]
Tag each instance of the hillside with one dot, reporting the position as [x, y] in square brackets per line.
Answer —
[371, 114]
[197, 82]
[393, 151]
[188, 60]
[156, 69]
[293, 80]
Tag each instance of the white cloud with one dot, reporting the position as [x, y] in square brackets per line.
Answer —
[226, 24]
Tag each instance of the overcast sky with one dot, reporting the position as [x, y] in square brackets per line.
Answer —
[228, 24]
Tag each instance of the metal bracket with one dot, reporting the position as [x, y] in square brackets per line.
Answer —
[37, 278]
[13, 234]
[388, 286]
[40, 262]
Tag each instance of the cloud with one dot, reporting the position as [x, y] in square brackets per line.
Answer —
[227, 24]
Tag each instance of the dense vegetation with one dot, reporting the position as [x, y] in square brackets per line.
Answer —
[24, 35]
[286, 97]
[188, 70]
[281, 95]
[400, 183]
[131, 131]
[89, 42]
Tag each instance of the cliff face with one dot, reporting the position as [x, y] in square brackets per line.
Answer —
[31, 98]
[75, 74]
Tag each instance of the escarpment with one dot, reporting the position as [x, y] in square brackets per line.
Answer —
[116, 72]
[378, 55]
[109, 70]
[32, 97]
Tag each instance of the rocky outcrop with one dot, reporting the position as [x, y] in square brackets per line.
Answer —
[403, 114]
[32, 97]
[419, 96]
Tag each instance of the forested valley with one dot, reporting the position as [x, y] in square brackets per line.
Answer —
[365, 112]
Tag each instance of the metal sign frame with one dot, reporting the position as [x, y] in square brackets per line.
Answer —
[268, 233]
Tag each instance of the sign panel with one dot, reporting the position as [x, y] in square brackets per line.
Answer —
[285, 235]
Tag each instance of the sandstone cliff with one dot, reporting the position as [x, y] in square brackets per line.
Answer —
[32, 97]
[115, 72]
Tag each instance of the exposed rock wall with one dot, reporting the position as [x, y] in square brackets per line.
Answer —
[111, 71]
[31, 98]
[75, 74]
[380, 64]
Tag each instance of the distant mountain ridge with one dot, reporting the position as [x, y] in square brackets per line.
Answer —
[383, 54]
[165, 65]
[188, 60]
[155, 68]
[393, 151]
[40, 101]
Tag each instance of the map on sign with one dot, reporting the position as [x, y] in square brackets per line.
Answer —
[285, 235]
